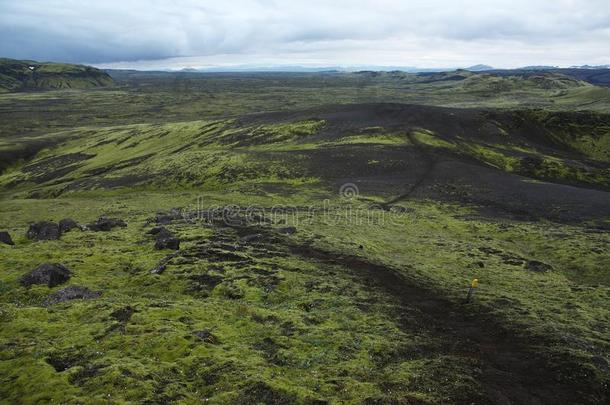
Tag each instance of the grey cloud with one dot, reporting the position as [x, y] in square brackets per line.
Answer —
[111, 31]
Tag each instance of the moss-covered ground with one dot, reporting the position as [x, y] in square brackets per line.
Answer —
[362, 301]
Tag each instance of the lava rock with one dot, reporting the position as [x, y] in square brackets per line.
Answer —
[167, 242]
[5, 238]
[289, 230]
[73, 292]
[158, 269]
[105, 224]
[162, 233]
[44, 230]
[252, 238]
[538, 267]
[162, 265]
[165, 239]
[156, 230]
[123, 314]
[167, 217]
[206, 336]
[51, 274]
[67, 224]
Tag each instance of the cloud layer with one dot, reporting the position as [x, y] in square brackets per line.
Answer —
[380, 32]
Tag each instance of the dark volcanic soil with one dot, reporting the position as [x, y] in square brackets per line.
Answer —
[421, 171]
[512, 372]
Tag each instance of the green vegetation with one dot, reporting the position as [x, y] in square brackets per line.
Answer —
[20, 75]
[363, 300]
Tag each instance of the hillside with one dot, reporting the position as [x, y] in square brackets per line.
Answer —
[23, 75]
[288, 239]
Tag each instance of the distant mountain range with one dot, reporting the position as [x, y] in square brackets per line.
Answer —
[375, 68]
[313, 69]
[23, 75]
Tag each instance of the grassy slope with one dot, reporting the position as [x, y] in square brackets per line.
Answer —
[148, 98]
[18, 75]
[286, 328]
[314, 332]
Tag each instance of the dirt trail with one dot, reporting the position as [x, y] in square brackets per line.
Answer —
[430, 160]
[512, 372]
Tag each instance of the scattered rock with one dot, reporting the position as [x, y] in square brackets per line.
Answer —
[168, 242]
[289, 230]
[165, 218]
[162, 265]
[123, 314]
[67, 224]
[159, 268]
[51, 274]
[206, 336]
[105, 224]
[73, 292]
[156, 230]
[165, 239]
[5, 238]
[252, 238]
[205, 281]
[164, 233]
[538, 267]
[400, 209]
[44, 230]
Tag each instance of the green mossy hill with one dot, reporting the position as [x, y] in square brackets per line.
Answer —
[20, 75]
[312, 145]
[539, 80]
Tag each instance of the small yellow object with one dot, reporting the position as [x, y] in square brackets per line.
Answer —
[475, 283]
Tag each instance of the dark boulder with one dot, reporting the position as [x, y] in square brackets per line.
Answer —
[289, 230]
[538, 267]
[256, 237]
[44, 230]
[165, 239]
[206, 336]
[51, 274]
[123, 314]
[105, 224]
[167, 242]
[162, 265]
[5, 238]
[529, 165]
[67, 224]
[159, 268]
[156, 230]
[165, 218]
[162, 233]
[73, 292]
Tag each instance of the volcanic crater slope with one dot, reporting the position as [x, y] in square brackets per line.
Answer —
[526, 164]
[219, 261]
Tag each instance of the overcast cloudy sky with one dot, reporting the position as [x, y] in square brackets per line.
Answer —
[191, 33]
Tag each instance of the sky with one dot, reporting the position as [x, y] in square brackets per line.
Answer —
[203, 33]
